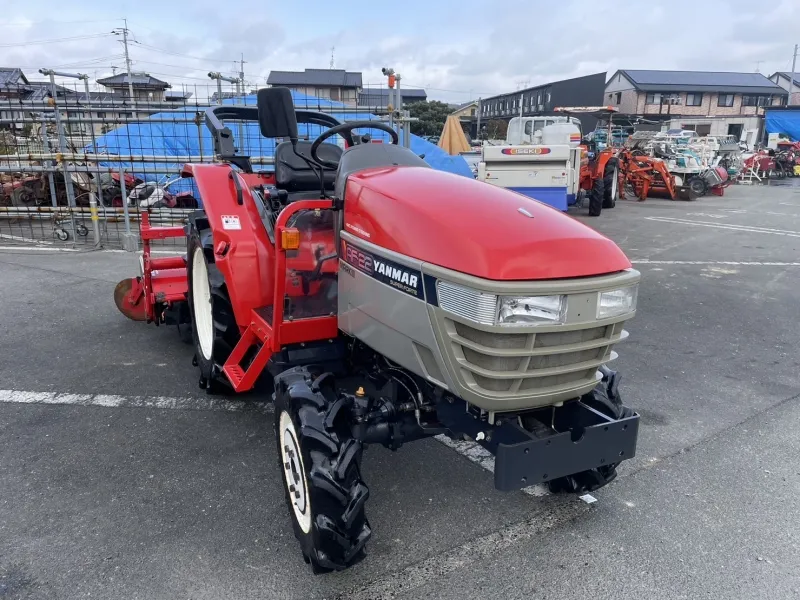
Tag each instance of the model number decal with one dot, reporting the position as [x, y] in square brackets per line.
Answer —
[386, 271]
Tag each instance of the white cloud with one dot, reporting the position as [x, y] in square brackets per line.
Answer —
[454, 49]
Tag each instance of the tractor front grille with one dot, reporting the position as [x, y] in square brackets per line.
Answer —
[546, 363]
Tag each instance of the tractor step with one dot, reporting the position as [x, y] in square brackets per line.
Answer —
[254, 346]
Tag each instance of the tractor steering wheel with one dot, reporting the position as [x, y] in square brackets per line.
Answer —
[348, 129]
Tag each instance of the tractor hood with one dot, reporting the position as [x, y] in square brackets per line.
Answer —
[473, 227]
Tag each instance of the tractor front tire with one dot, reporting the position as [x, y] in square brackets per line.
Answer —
[588, 481]
[214, 328]
[320, 463]
[596, 195]
[611, 183]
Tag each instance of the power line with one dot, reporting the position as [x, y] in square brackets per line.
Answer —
[57, 40]
[179, 76]
[171, 53]
[84, 62]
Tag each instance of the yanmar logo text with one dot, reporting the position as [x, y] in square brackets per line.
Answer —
[526, 150]
[396, 275]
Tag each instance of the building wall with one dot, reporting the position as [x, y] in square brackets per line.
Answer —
[338, 94]
[784, 83]
[633, 102]
[618, 83]
[719, 125]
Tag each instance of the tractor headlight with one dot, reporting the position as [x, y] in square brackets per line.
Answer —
[617, 302]
[532, 310]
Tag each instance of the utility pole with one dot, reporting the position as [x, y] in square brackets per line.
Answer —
[333, 49]
[478, 124]
[124, 31]
[791, 75]
[241, 72]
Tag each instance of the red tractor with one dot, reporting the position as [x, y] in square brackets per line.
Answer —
[389, 302]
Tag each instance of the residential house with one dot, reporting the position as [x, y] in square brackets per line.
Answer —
[331, 84]
[380, 97]
[16, 91]
[543, 99]
[177, 96]
[467, 114]
[782, 78]
[711, 103]
[145, 87]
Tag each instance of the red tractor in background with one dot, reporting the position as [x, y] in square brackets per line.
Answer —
[388, 302]
[599, 172]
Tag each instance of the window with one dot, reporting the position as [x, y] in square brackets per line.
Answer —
[619, 97]
[725, 100]
[756, 100]
[652, 98]
[547, 97]
[101, 115]
[528, 127]
[694, 99]
[778, 100]
[334, 93]
[126, 115]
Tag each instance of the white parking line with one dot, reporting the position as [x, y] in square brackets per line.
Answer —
[19, 238]
[474, 452]
[111, 400]
[728, 226]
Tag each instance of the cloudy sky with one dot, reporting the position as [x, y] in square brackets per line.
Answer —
[456, 50]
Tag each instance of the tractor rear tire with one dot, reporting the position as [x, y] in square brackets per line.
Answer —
[588, 481]
[214, 328]
[611, 183]
[698, 186]
[596, 195]
[321, 466]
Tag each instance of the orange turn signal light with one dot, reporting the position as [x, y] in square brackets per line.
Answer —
[290, 239]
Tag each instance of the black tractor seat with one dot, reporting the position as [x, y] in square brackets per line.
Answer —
[295, 176]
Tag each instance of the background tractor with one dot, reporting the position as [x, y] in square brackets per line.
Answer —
[386, 302]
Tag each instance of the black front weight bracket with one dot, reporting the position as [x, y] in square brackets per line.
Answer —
[583, 439]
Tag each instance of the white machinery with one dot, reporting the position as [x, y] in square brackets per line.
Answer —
[544, 167]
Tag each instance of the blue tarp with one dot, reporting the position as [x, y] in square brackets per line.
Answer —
[783, 121]
[160, 135]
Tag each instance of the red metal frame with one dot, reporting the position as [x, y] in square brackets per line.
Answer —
[275, 335]
[163, 279]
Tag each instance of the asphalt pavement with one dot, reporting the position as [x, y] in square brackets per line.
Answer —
[148, 496]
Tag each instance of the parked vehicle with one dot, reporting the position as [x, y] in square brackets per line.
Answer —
[345, 280]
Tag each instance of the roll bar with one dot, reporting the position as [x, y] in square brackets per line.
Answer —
[223, 137]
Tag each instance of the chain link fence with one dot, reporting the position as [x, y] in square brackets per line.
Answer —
[78, 167]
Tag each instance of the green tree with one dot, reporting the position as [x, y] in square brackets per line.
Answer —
[431, 115]
[495, 130]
